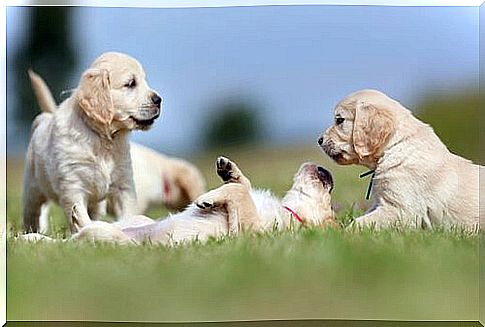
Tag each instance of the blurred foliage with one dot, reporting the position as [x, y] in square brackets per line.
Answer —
[455, 119]
[48, 50]
[233, 122]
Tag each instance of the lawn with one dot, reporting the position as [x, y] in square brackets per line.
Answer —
[302, 273]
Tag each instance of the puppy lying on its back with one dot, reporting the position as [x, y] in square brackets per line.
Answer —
[79, 152]
[229, 209]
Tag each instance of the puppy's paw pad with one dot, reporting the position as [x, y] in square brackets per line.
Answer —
[223, 163]
[205, 203]
[225, 168]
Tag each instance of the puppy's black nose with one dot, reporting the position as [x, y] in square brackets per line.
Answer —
[156, 100]
[320, 140]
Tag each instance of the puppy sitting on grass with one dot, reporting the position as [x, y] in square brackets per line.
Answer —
[417, 181]
[229, 209]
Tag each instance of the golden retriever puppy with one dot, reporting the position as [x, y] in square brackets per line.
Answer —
[160, 179]
[79, 152]
[228, 209]
[417, 181]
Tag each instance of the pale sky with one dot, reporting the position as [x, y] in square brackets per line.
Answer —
[295, 62]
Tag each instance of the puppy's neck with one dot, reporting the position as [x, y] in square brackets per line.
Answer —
[371, 162]
[102, 137]
[105, 132]
[407, 142]
[314, 209]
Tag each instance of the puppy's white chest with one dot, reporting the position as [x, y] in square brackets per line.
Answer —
[103, 176]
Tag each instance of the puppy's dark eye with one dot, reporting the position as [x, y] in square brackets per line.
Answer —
[131, 84]
[339, 120]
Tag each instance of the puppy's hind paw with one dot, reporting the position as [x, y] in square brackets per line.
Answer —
[230, 172]
[226, 169]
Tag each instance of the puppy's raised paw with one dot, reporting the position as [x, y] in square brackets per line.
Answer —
[230, 172]
[224, 168]
[227, 170]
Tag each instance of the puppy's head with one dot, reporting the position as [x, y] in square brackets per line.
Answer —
[115, 95]
[310, 196]
[363, 124]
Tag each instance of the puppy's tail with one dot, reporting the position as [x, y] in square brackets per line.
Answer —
[42, 93]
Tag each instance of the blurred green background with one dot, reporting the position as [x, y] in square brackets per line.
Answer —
[455, 117]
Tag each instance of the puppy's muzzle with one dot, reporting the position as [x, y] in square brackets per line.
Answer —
[328, 146]
[146, 116]
[156, 100]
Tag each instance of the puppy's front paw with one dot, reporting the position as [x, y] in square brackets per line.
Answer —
[35, 237]
[227, 170]
[205, 205]
[206, 202]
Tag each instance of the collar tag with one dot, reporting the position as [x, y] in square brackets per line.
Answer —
[369, 188]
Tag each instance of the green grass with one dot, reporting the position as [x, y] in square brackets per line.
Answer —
[302, 273]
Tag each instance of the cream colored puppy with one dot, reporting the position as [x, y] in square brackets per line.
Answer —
[79, 152]
[229, 209]
[160, 179]
[417, 181]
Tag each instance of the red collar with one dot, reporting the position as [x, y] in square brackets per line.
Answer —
[294, 214]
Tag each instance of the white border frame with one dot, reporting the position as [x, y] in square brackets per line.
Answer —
[242, 3]
[154, 4]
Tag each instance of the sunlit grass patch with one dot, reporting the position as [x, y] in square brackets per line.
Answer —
[298, 273]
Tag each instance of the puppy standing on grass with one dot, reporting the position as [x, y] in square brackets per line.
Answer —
[229, 209]
[79, 153]
[159, 179]
[418, 182]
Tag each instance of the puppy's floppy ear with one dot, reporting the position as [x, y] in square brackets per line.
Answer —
[94, 97]
[372, 129]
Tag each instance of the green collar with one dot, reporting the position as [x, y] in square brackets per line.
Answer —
[369, 188]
